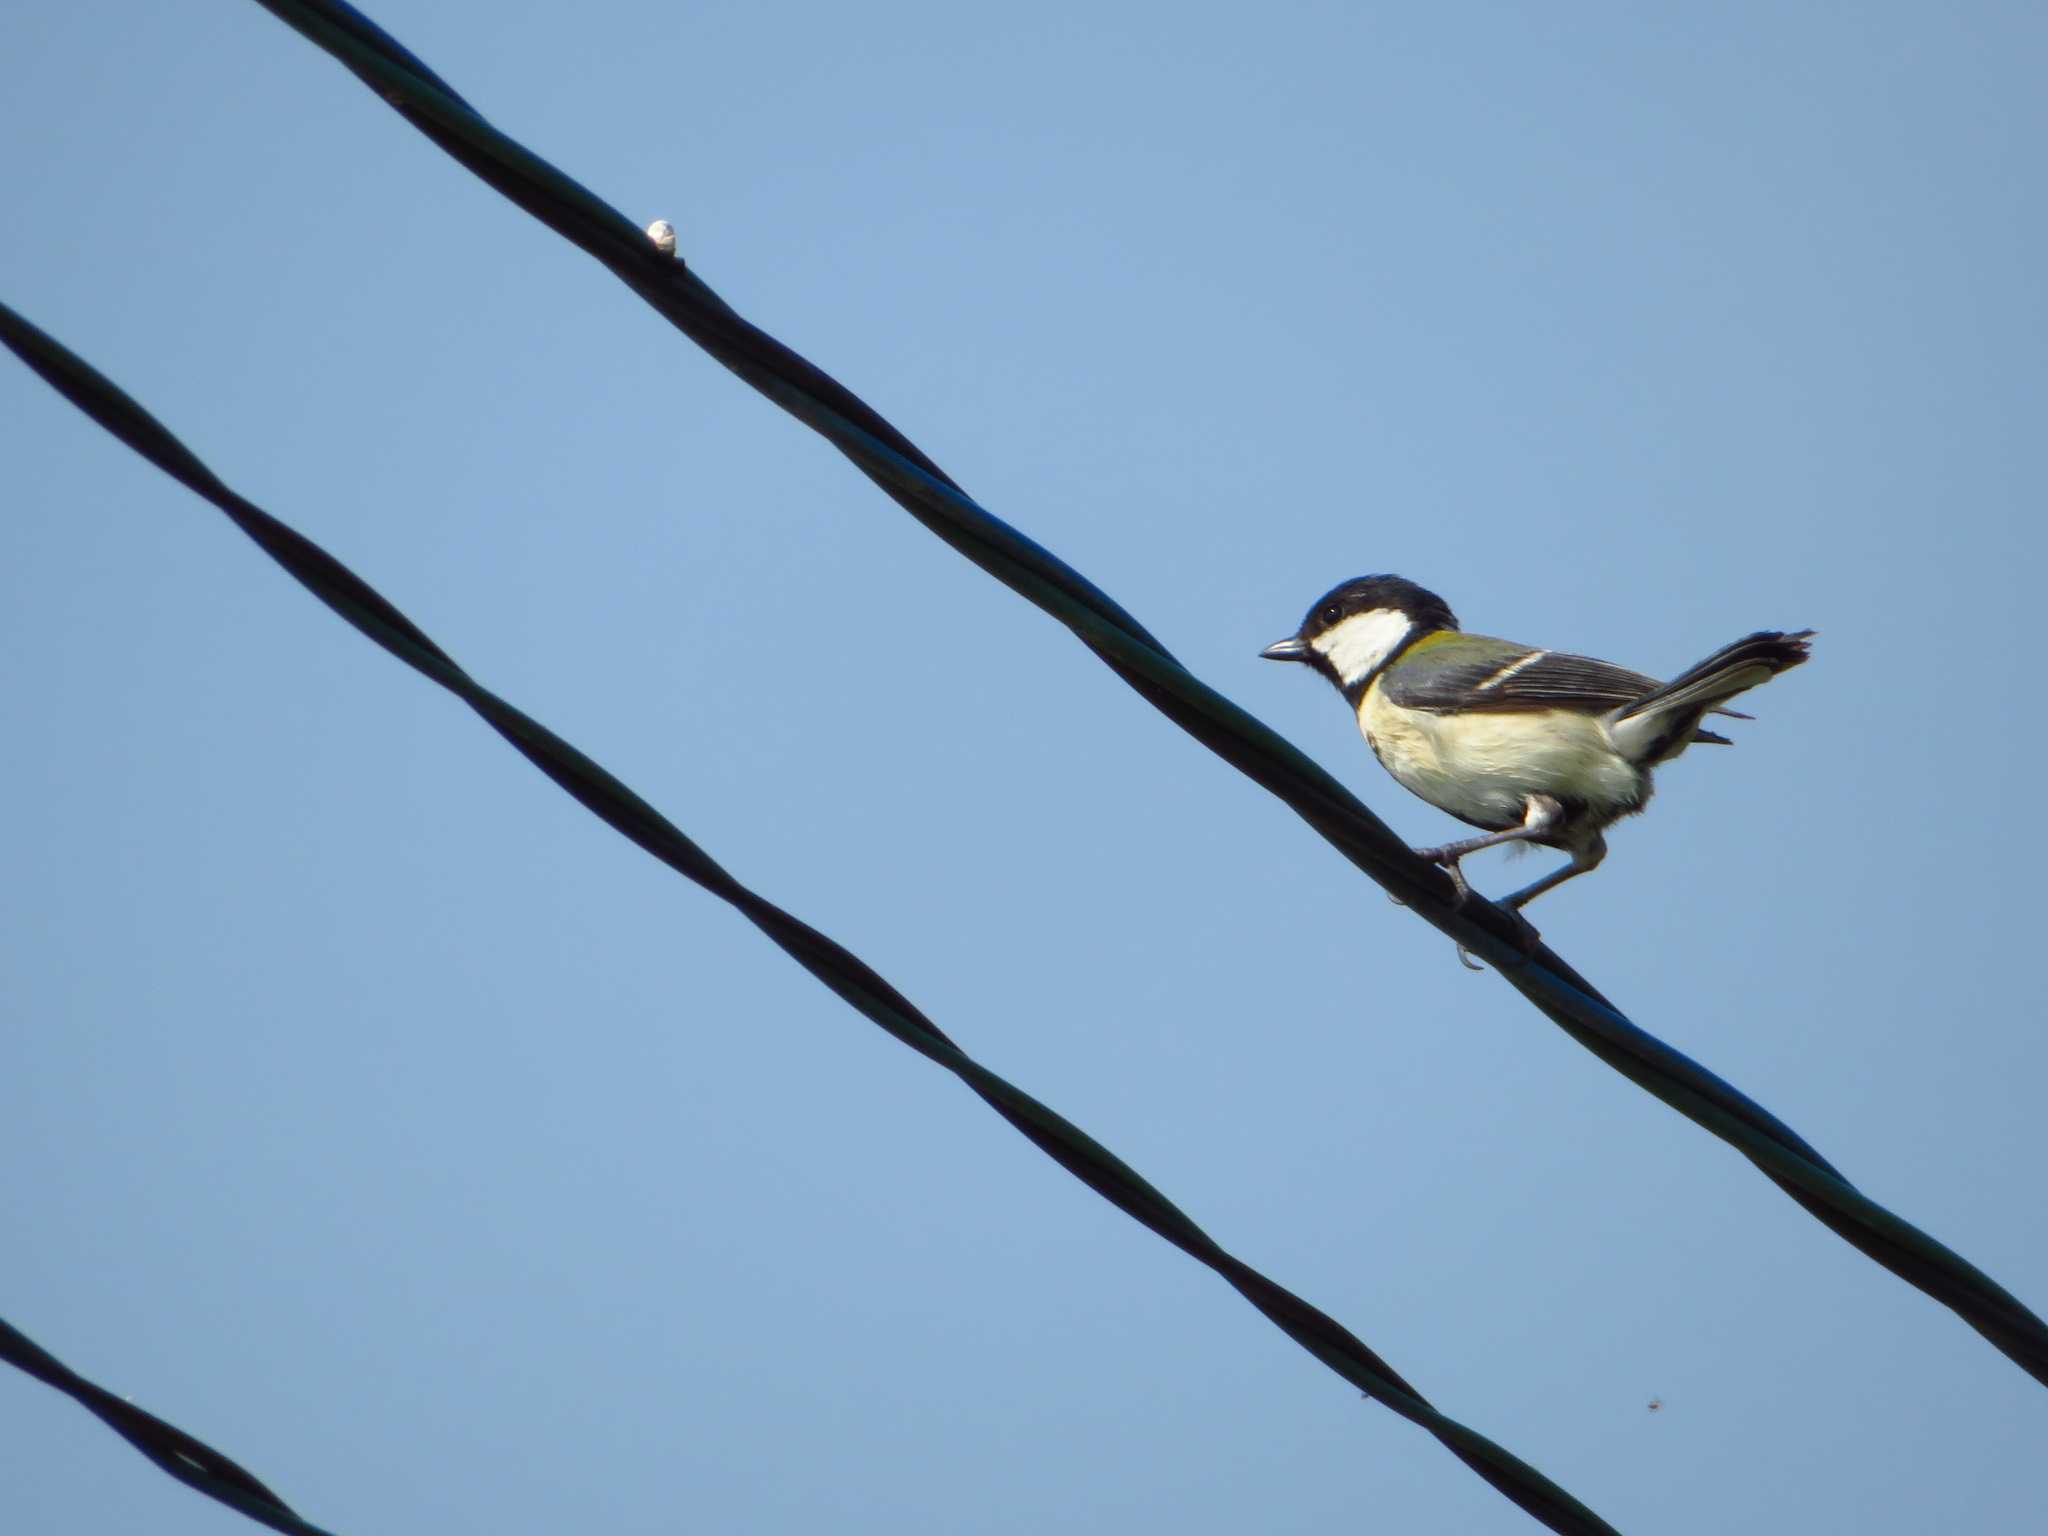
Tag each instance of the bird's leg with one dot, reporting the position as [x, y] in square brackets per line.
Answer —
[1541, 814]
[1460, 891]
[1449, 855]
[1583, 859]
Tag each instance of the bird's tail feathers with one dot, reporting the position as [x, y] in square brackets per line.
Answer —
[1653, 725]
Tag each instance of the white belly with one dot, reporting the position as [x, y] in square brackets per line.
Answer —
[1482, 768]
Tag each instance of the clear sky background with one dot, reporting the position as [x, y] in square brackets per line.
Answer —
[372, 1112]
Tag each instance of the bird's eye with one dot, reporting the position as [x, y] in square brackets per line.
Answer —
[1330, 613]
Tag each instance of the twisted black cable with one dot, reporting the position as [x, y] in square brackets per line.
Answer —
[1072, 1148]
[922, 489]
[190, 1461]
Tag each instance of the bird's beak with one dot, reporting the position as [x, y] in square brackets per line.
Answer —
[1293, 648]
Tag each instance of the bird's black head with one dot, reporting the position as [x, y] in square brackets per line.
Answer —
[1357, 628]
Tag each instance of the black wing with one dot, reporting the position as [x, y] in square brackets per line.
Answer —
[1510, 677]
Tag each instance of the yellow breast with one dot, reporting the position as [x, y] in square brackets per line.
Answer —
[1482, 767]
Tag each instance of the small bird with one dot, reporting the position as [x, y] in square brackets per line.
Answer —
[1530, 746]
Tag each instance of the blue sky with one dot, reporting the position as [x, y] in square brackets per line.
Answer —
[376, 1115]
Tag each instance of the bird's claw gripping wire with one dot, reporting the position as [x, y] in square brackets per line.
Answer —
[1447, 859]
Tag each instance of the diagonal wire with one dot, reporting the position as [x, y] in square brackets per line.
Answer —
[190, 1461]
[921, 488]
[1072, 1148]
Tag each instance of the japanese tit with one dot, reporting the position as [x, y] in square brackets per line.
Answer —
[1528, 745]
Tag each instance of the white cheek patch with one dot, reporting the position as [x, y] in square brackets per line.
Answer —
[1362, 642]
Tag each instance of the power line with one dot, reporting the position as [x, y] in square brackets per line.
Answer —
[851, 978]
[190, 1461]
[917, 484]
